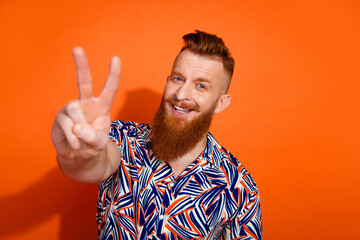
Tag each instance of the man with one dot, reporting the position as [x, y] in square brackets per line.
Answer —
[170, 179]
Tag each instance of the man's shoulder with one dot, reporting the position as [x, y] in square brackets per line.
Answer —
[218, 154]
[231, 166]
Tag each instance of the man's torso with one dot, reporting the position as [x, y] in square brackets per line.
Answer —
[143, 200]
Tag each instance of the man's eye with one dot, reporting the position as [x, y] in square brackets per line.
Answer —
[179, 79]
[202, 86]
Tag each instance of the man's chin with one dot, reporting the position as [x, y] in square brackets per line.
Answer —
[178, 122]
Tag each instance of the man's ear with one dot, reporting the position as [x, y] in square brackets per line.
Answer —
[223, 102]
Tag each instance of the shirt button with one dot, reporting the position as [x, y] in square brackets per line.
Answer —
[161, 217]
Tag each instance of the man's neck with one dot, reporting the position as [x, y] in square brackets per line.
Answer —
[179, 164]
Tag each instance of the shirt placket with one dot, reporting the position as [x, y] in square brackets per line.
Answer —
[166, 202]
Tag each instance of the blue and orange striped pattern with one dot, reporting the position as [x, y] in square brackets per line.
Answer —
[214, 198]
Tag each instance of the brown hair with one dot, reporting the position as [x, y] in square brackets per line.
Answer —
[206, 44]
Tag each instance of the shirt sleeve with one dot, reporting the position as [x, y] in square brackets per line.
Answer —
[246, 223]
[126, 136]
[251, 229]
[117, 134]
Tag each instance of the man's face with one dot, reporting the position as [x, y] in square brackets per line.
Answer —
[195, 86]
[193, 93]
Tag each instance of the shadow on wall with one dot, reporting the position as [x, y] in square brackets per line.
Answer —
[56, 194]
[140, 106]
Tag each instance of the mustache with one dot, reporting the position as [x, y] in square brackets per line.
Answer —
[176, 102]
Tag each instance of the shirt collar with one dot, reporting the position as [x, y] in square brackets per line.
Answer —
[213, 152]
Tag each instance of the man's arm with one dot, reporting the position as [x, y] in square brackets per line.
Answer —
[246, 223]
[80, 130]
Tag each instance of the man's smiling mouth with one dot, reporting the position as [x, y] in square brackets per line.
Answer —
[180, 109]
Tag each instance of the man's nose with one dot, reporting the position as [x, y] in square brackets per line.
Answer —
[184, 92]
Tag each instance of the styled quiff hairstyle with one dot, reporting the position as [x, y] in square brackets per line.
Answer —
[206, 44]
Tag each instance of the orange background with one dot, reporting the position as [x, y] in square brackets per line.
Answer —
[293, 121]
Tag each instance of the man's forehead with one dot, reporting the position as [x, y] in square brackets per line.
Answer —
[188, 61]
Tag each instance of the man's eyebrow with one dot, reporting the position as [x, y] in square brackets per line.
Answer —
[203, 80]
[176, 73]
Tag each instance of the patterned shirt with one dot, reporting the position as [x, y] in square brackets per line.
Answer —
[214, 198]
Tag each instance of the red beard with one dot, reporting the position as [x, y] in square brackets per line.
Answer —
[172, 137]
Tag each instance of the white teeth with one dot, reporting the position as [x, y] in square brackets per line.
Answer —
[182, 110]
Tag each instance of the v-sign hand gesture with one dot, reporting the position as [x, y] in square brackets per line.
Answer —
[81, 128]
